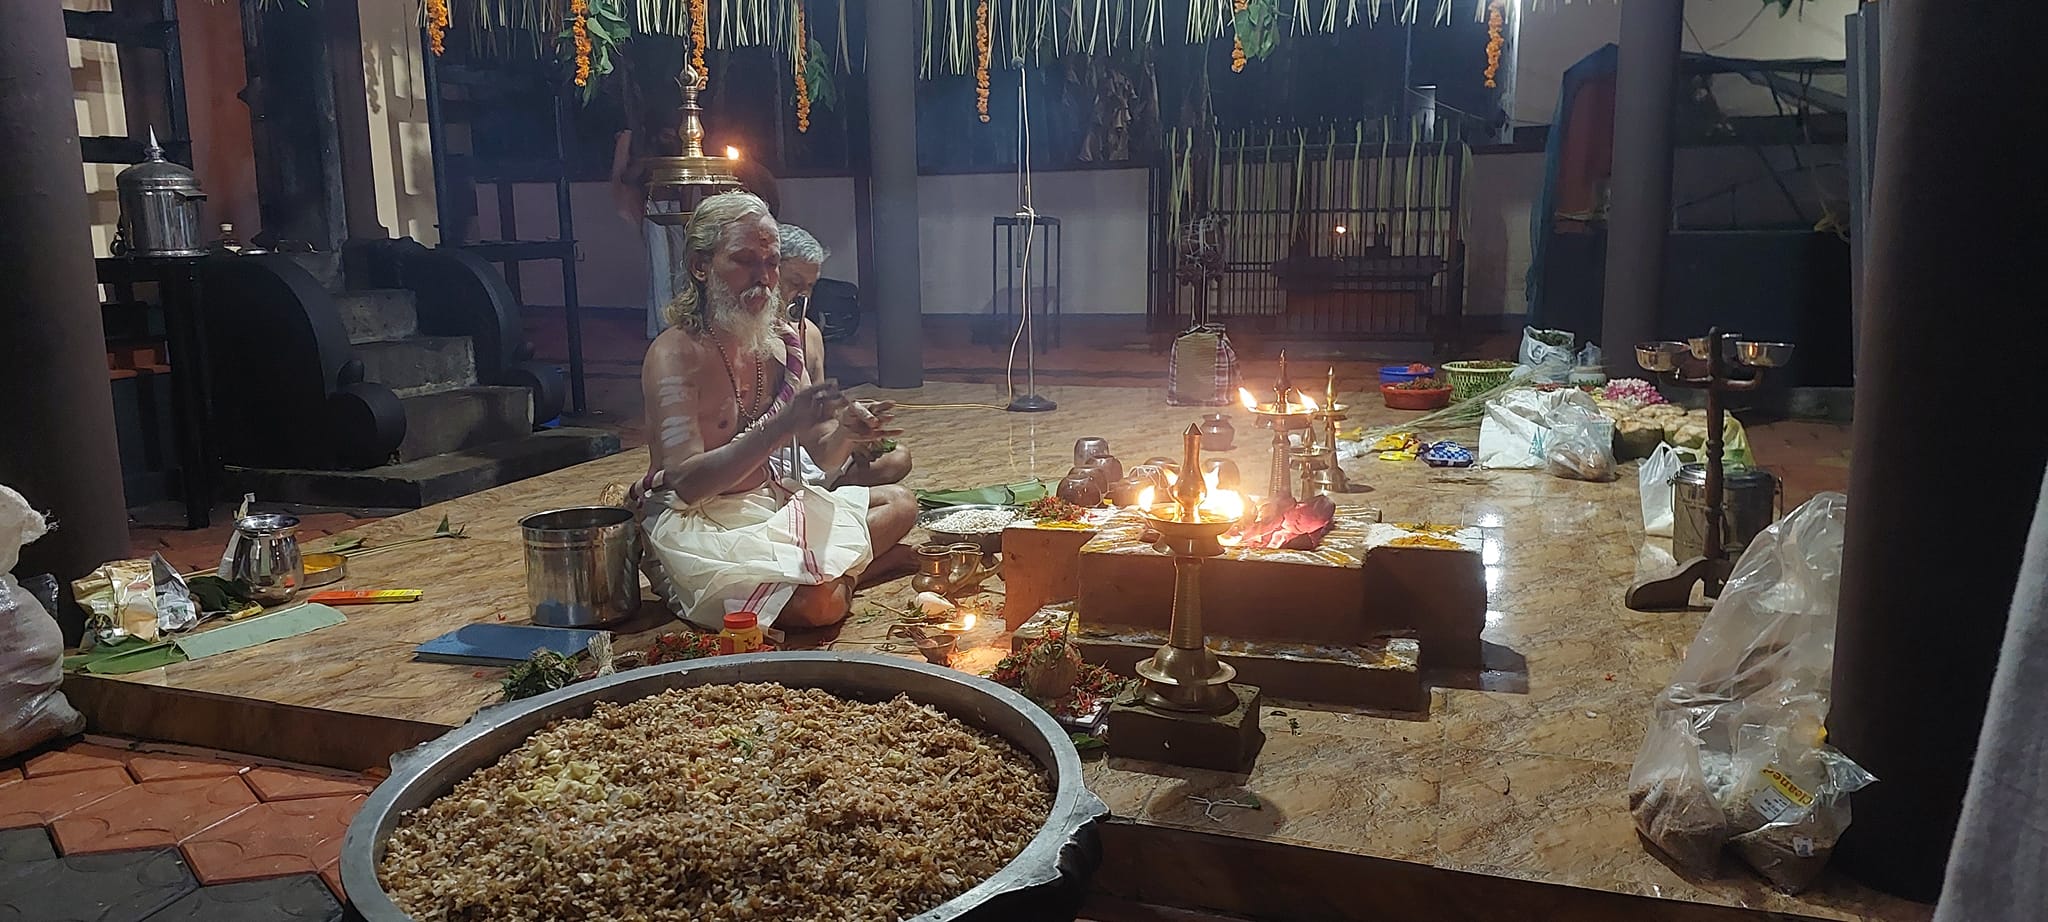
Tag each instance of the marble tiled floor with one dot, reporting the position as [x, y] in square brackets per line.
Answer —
[1518, 785]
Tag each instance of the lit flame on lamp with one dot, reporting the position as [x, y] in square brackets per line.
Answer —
[1307, 405]
[1227, 505]
[731, 152]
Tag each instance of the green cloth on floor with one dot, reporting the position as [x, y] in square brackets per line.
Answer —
[286, 622]
[1014, 494]
[132, 654]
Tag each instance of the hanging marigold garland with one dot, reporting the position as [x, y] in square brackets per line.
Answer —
[1496, 39]
[698, 35]
[579, 28]
[803, 89]
[981, 44]
[1237, 43]
[437, 24]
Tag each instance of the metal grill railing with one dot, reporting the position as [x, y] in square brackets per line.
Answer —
[1358, 240]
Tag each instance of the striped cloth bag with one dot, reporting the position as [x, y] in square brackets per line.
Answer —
[1202, 371]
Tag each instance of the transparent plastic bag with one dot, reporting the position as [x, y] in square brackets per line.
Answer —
[1739, 730]
[31, 645]
[1580, 445]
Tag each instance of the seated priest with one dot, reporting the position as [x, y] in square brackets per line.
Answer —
[726, 387]
[871, 464]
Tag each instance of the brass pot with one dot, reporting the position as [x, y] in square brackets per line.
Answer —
[934, 568]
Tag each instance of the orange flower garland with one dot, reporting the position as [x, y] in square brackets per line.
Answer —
[981, 59]
[803, 89]
[1495, 41]
[1237, 43]
[437, 24]
[698, 36]
[579, 27]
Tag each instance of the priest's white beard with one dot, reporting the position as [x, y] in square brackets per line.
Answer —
[752, 331]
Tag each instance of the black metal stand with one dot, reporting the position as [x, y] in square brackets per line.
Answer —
[1010, 303]
[1709, 570]
[177, 281]
[484, 170]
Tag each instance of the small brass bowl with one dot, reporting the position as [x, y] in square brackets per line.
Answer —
[322, 569]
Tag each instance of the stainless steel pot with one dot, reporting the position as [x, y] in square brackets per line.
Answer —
[582, 565]
[1053, 868]
[1750, 502]
[160, 204]
[263, 551]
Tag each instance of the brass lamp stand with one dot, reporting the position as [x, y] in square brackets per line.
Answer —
[692, 177]
[1189, 712]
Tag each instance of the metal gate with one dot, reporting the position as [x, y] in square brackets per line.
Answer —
[1288, 234]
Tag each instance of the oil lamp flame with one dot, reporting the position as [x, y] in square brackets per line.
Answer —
[1245, 397]
[1145, 498]
[732, 153]
[1309, 403]
[1224, 504]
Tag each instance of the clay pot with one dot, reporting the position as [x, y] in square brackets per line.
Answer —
[1107, 468]
[1125, 492]
[1218, 434]
[1088, 449]
[1082, 487]
[1050, 673]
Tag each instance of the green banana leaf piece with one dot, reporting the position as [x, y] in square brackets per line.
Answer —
[131, 655]
[1014, 494]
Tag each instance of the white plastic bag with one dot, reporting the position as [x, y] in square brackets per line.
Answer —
[1547, 363]
[1516, 428]
[1654, 477]
[31, 645]
[1739, 727]
[1581, 444]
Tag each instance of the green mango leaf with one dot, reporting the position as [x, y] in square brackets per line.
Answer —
[1086, 743]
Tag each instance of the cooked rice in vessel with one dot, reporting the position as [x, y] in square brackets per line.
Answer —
[724, 802]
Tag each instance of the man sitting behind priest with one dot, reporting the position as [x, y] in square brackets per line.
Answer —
[725, 388]
[872, 464]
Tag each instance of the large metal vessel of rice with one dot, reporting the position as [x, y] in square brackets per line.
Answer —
[1045, 881]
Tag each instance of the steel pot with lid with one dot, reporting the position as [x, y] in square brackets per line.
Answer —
[160, 203]
[1749, 504]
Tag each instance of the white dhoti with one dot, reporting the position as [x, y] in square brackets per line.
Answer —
[750, 551]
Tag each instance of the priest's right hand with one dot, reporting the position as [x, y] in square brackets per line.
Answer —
[815, 406]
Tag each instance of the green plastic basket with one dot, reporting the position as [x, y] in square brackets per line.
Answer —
[1470, 379]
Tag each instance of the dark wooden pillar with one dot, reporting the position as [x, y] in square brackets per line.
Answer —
[292, 113]
[1639, 218]
[892, 145]
[1936, 534]
[60, 452]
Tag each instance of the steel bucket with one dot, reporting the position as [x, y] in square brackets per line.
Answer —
[1749, 504]
[582, 565]
[1046, 881]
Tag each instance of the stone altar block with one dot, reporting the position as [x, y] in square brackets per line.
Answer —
[1367, 581]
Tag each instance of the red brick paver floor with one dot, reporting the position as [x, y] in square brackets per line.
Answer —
[233, 817]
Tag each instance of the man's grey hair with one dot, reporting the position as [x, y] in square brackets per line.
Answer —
[701, 236]
[798, 244]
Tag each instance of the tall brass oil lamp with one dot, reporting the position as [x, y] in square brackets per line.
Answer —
[692, 177]
[1185, 675]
